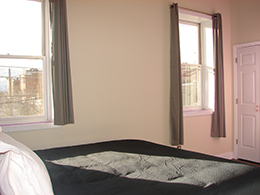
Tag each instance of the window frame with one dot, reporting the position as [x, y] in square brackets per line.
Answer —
[189, 17]
[23, 123]
[199, 37]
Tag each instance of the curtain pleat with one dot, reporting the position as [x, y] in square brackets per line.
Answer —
[176, 107]
[218, 128]
[61, 75]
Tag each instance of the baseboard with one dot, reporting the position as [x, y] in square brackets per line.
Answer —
[228, 155]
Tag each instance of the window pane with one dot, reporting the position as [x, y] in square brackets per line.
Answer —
[21, 27]
[21, 90]
[191, 79]
[209, 47]
[189, 43]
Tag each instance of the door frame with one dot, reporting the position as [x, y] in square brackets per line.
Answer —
[235, 48]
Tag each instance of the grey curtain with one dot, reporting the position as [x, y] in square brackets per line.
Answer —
[218, 128]
[61, 75]
[176, 109]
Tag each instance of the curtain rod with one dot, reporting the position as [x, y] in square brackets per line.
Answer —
[193, 10]
[196, 11]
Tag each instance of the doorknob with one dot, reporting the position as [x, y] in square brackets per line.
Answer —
[257, 108]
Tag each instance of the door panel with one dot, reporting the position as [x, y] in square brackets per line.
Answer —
[248, 93]
[248, 131]
[248, 59]
[248, 101]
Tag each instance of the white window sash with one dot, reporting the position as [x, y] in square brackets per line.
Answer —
[11, 123]
[205, 22]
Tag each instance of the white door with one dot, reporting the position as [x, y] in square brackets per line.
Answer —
[248, 62]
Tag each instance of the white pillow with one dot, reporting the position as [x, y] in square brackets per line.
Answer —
[21, 171]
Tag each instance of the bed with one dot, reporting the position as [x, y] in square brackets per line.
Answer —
[134, 167]
[129, 167]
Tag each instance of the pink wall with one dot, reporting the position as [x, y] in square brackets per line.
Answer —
[120, 71]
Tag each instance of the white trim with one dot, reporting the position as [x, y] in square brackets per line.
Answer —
[235, 48]
[191, 108]
[228, 155]
[21, 57]
[29, 127]
[197, 113]
[47, 52]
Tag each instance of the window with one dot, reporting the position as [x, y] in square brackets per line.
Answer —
[25, 80]
[196, 44]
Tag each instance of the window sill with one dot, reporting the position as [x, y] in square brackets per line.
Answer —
[197, 113]
[28, 127]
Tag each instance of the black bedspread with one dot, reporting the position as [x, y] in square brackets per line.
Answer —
[138, 167]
